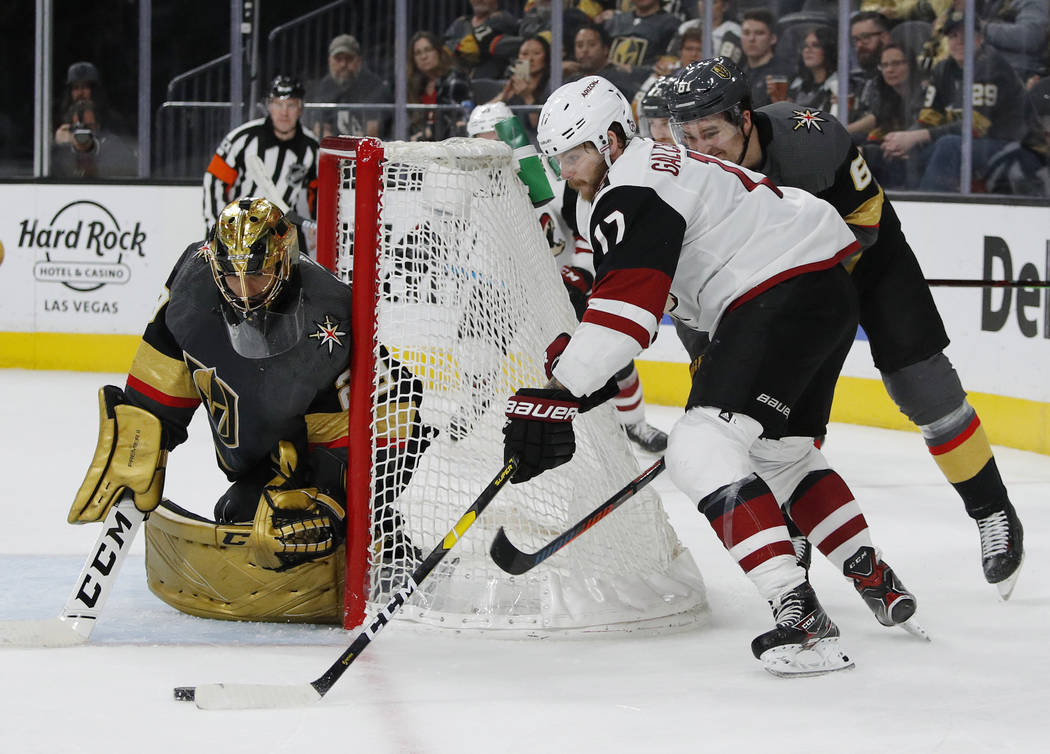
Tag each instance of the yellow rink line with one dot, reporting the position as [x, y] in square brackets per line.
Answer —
[1013, 422]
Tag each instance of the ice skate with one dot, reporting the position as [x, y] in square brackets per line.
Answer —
[805, 641]
[1002, 549]
[879, 587]
[647, 437]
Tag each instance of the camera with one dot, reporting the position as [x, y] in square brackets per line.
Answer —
[82, 135]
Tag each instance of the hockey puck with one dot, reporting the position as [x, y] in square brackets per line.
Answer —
[185, 693]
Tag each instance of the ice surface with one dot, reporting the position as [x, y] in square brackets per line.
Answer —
[980, 685]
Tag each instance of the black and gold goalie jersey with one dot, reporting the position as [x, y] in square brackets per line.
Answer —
[809, 149]
[186, 358]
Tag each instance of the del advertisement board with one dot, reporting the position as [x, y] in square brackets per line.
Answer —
[89, 259]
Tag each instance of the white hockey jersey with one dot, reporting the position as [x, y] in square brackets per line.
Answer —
[677, 231]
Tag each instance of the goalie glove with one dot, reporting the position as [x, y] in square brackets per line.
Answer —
[539, 431]
[129, 455]
[293, 525]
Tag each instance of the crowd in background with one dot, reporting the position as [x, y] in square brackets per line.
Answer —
[905, 84]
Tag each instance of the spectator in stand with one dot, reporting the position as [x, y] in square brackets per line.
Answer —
[725, 37]
[640, 36]
[529, 81]
[690, 49]
[537, 18]
[88, 150]
[432, 80]
[768, 74]
[999, 119]
[816, 84]
[483, 42]
[348, 82]
[83, 85]
[906, 10]
[591, 58]
[869, 32]
[1017, 30]
[895, 105]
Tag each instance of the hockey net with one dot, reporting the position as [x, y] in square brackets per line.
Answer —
[454, 282]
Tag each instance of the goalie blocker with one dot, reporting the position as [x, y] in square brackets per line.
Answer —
[129, 455]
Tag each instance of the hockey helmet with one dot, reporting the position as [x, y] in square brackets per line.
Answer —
[484, 118]
[252, 254]
[708, 87]
[654, 101]
[580, 112]
[285, 87]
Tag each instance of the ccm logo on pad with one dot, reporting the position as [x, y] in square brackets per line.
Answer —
[541, 409]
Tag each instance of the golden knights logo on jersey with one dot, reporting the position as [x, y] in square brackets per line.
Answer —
[220, 401]
[809, 118]
[628, 50]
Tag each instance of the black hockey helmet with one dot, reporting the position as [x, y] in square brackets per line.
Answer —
[707, 87]
[286, 86]
[654, 101]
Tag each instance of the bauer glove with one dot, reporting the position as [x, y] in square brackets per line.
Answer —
[539, 431]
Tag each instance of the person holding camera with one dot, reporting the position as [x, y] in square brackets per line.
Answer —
[84, 150]
[528, 80]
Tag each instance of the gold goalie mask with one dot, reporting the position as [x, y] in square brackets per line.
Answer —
[253, 255]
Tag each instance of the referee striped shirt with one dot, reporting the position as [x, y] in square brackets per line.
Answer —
[291, 165]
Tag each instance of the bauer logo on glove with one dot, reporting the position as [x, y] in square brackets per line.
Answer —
[540, 409]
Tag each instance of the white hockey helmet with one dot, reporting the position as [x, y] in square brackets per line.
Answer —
[484, 118]
[582, 111]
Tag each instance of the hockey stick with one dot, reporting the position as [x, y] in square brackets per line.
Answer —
[73, 626]
[257, 172]
[512, 560]
[270, 696]
[955, 283]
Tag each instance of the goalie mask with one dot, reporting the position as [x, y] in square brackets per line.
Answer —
[581, 112]
[253, 254]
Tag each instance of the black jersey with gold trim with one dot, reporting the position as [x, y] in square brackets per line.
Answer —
[186, 358]
[809, 149]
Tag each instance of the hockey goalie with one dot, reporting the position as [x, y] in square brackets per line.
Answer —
[258, 334]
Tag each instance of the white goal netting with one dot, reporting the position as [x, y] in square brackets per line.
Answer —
[468, 298]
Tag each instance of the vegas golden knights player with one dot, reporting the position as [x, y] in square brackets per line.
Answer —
[808, 149]
[259, 335]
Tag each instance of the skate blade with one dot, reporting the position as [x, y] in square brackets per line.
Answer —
[796, 661]
[915, 629]
[1006, 586]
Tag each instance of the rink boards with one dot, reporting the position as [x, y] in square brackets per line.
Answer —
[83, 266]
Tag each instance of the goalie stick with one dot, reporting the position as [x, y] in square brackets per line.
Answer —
[271, 696]
[514, 561]
[91, 590]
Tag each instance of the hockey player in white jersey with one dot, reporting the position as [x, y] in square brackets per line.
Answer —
[575, 259]
[757, 268]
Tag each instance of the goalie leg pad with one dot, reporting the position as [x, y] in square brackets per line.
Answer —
[129, 455]
[209, 570]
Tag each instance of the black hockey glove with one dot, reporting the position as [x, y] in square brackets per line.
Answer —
[539, 430]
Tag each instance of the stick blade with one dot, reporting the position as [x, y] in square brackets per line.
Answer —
[216, 696]
[49, 632]
[507, 556]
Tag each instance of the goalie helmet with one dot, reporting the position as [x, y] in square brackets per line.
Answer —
[582, 111]
[252, 254]
[484, 118]
[708, 87]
